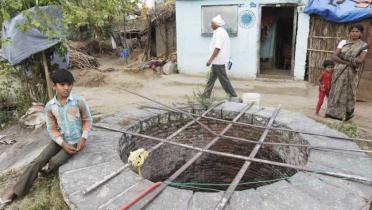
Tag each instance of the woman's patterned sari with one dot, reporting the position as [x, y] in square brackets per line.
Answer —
[342, 97]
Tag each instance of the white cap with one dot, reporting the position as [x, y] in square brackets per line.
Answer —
[218, 20]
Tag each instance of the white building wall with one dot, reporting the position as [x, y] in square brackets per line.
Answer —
[193, 49]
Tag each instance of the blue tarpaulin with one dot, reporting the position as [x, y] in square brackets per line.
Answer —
[340, 11]
[21, 45]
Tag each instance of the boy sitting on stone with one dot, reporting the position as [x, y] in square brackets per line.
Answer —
[68, 122]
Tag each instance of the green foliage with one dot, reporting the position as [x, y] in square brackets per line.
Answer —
[197, 96]
[96, 14]
[199, 99]
[14, 99]
[7, 104]
[19, 89]
[349, 128]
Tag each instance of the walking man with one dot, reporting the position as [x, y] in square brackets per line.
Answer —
[219, 57]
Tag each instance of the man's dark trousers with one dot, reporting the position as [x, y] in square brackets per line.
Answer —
[219, 71]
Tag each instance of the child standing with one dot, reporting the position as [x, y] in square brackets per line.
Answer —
[68, 122]
[325, 79]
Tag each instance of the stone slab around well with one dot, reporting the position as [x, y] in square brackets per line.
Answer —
[301, 191]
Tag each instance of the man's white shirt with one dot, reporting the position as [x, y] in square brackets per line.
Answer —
[220, 40]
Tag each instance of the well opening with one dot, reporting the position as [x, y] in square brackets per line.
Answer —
[211, 172]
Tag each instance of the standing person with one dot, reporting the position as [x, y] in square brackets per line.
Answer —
[68, 122]
[325, 83]
[349, 56]
[219, 57]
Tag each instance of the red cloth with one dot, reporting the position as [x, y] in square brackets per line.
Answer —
[322, 95]
[325, 80]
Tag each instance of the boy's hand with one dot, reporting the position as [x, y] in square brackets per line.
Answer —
[68, 148]
[81, 144]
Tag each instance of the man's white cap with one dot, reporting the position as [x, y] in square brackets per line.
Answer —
[218, 20]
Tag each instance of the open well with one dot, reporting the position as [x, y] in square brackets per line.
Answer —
[213, 171]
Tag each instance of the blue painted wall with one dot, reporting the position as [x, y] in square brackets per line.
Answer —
[193, 49]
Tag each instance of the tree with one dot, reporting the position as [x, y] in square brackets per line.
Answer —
[97, 14]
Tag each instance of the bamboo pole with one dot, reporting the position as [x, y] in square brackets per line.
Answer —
[325, 37]
[310, 54]
[47, 76]
[316, 50]
[228, 193]
[117, 172]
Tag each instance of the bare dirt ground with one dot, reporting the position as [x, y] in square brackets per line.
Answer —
[108, 95]
[104, 91]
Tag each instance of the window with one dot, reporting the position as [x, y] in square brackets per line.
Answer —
[228, 12]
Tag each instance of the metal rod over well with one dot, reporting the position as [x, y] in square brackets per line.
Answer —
[153, 195]
[118, 171]
[227, 195]
[259, 126]
[357, 178]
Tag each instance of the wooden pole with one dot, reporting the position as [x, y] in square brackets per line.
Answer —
[316, 50]
[47, 77]
[326, 37]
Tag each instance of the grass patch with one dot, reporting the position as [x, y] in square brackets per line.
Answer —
[197, 95]
[353, 131]
[45, 193]
[198, 98]
[349, 128]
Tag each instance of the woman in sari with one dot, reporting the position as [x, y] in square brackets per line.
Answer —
[349, 57]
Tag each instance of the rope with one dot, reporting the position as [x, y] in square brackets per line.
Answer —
[137, 159]
[224, 184]
[209, 186]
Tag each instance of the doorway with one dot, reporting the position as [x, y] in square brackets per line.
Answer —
[277, 40]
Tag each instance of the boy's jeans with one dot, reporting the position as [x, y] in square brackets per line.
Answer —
[53, 154]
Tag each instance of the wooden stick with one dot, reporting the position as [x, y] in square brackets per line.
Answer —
[47, 77]
[310, 72]
[316, 50]
[117, 172]
[325, 37]
[228, 193]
